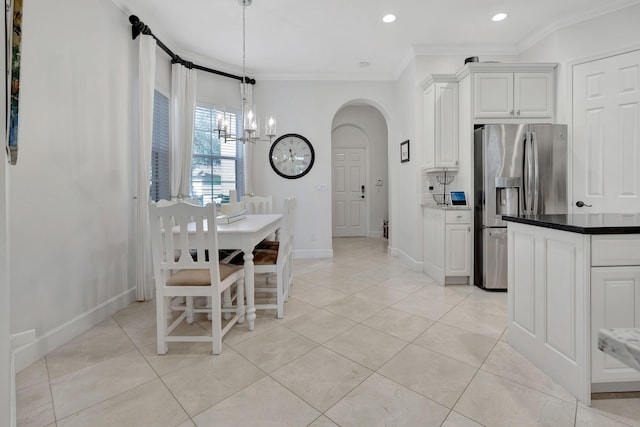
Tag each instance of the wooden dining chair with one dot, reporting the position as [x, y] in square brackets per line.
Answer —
[179, 238]
[258, 204]
[274, 258]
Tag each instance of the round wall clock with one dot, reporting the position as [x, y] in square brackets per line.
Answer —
[291, 156]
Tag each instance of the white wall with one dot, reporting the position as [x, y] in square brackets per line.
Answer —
[6, 388]
[602, 35]
[307, 108]
[71, 201]
[406, 224]
[361, 126]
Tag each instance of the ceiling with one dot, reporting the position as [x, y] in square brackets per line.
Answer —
[328, 39]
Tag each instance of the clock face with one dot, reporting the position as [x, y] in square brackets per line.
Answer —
[291, 156]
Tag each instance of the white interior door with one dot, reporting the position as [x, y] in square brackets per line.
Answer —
[606, 147]
[349, 198]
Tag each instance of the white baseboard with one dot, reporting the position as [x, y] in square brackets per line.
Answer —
[29, 353]
[413, 264]
[312, 253]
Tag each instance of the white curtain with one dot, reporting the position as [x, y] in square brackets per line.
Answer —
[147, 78]
[248, 147]
[183, 106]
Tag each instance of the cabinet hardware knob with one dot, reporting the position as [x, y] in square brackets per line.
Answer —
[518, 112]
[511, 112]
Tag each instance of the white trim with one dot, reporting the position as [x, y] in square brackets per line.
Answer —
[27, 354]
[601, 55]
[413, 264]
[570, 66]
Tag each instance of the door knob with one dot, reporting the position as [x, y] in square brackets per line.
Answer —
[580, 204]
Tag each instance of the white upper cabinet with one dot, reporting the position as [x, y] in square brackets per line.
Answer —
[493, 95]
[523, 92]
[441, 122]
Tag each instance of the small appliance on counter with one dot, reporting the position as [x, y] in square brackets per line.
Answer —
[458, 198]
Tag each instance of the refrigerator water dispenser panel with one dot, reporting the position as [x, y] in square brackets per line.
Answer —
[508, 195]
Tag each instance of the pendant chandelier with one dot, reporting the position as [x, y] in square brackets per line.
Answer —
[250, 122]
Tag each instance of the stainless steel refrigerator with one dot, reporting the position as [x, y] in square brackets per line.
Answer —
[519, 169]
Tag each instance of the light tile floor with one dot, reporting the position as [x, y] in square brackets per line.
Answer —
[365, 341]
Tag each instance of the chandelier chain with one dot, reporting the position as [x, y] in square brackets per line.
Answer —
[244, 41]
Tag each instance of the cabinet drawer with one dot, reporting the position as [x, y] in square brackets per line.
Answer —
[615, 250]
[458, 217]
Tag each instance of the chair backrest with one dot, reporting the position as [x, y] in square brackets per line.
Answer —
[258, 204]
[181, 229]
[286, 228]
[192, 201]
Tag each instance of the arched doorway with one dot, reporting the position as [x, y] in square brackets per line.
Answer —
[360, 191]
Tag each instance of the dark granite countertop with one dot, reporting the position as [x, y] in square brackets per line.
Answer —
[604, 223]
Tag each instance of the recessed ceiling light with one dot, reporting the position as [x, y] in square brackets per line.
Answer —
[499, 16]
[389, 18]
[364, 64]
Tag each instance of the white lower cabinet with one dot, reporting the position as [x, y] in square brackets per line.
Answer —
[457, 243]
[615, 303]
[563, 288]
[447, 245]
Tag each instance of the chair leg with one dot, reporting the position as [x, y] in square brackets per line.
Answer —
[216, 324]
[189, 310]
[227, 302]
[280, 292]
[162, 307]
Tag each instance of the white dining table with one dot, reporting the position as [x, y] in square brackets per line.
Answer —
[245, 234]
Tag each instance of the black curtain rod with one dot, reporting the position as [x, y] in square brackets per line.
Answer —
[138, 27]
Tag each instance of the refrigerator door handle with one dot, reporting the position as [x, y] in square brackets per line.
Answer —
[536, 174]
[528, 174]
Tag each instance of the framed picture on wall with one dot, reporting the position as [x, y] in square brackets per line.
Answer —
[13, 38]
[404, 151]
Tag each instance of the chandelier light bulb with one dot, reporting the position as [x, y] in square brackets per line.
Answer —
[270, 125]
[499, 17]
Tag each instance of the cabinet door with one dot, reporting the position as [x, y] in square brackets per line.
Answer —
[429, 126]
[434, 237]
[492, 95]
[458, 247]
[615, 303]
[429, 231]
[533, 95]
[446, 128]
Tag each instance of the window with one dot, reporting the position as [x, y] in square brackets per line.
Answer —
[217, 166]
[160, 179]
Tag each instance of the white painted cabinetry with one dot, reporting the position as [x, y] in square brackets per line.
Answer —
[615, 303]
[512, 92]
[447, 245]
[513, 95]
[563, 288]
[548, 291]
[458, 243]
[440, 122]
